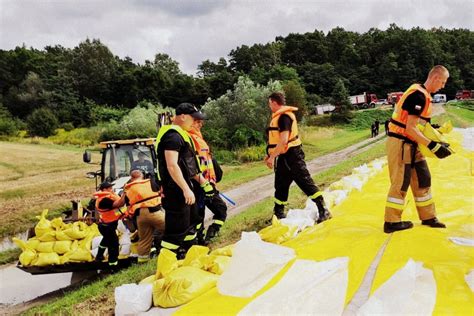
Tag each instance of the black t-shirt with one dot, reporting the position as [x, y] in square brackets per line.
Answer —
[172, 140]
[106, 204]
[414, 104]
[284, 123]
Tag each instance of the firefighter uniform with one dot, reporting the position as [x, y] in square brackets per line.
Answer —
[144, 203]
[407, 166]
[290, 165]
[214, 203]
[108, 220]
[181, 219]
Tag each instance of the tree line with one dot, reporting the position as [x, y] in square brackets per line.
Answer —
[87, 84]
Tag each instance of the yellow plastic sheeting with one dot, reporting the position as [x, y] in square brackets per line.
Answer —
[452, 187]
[354, 232]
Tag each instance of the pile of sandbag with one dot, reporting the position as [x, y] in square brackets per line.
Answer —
[126, 247]
[56, 242]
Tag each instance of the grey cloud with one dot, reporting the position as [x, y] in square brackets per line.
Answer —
[183, 8]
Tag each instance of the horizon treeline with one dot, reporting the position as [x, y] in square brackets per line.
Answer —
[77, 83]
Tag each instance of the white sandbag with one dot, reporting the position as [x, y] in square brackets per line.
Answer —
[462, 241]
[95, 250]
[254, 263]
[352, 182]
[124, 250]
[302, 218]
[410, 291]
[125, 238]
[470, 280]
[309, 287]
[122, 228]
[339, 196]
[131, 299]
[96, 242]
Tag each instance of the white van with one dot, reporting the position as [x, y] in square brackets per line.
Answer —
[439, 98]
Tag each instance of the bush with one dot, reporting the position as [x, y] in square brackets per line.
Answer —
[9, 126]
[42, 122]
[106, 114]
[78, 136]
[253, 153]
[67, 126]
[364, 119]
[224, 156]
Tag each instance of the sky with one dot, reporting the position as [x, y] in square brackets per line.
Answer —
[193, 31]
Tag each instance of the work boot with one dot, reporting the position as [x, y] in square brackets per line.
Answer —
[433, 222]
[393, 227]
[212, 232]
[279, 211]
[323, 212]
[181, 253]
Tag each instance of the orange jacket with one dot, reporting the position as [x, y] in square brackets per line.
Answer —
[107, 215]
[140, 194]
[204, 155]
[274, 133]
[399, 119]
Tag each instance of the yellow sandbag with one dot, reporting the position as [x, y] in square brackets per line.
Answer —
[196, 256]
[224, 251]
[33, 243]
[43, 225]
[63, 246]
[78, 230]
[86, 243]
[57, 223]
[80, 255]
[217, 264]
[49, 235]
[167, 262]
[28, 254]
[46, 259]
[148, 280]
[433, 134]
[277, 233]
[45, 246]
[181, 286]
[61, 235]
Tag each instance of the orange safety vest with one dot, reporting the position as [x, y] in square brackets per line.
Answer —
[107, 215]
[204, 155]
[398, 122]
[274, 133]
[140, 194]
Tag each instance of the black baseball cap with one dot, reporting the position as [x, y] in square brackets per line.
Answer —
[188, 108]
[105, 185]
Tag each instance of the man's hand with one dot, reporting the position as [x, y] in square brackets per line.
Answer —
[189, 197]
[441, 150]
[270, 162]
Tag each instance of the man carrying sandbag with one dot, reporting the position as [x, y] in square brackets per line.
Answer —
[109, 216]
[144, 203]
[406, 164]
[213, 174]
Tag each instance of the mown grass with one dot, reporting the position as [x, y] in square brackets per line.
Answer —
[9, 255]
[459, 116]
[98, 297]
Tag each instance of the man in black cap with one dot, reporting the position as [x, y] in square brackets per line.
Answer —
[177, 166]
[108, 220]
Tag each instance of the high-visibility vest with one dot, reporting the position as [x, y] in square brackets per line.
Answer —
[274, 133]
[398, 122]
[140, 194]
[189, 159]
[204, 155]
[107, 215]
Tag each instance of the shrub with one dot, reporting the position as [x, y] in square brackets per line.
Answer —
[9, 126]
[364, 119]
[42, 122]
[224, 156]
[253, 153]
[67, 126]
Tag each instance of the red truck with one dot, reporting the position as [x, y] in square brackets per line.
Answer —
[363, 101]
[393, 97]
[464, 94]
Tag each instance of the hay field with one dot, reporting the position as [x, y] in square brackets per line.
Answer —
[35, 177]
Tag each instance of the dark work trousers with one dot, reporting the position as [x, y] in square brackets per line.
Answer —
[110, 239]
[290, 167]
[180, 221]
[215, 204]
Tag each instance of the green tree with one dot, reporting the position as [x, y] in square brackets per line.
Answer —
[296, 96]
[340, 98]
[42, 122]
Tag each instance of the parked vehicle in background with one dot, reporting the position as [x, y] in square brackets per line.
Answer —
[464, 94]
[381, 102]
[323, 109]
[393, 97]
[363, 101]
[439, 98]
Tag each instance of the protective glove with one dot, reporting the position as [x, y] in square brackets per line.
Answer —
[435, 126]
[441, 150]
[208, 189]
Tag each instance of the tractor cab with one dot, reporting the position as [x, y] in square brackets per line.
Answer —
[120, 157]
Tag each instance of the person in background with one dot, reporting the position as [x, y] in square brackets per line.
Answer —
[109, 216]
[285, 154]
[143, 164]
[213, 201]
[406, 165]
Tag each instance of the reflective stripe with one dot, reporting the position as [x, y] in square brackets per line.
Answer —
[394, 205]
[395, 200]
[424, 203]
[423, 198]
[113, 263]
[277, 201]
[198, 226]
[436, 147]
[189, 237]
[168, 245]
[218, 222]
[102, 246]
[143, 259]
[315, 195]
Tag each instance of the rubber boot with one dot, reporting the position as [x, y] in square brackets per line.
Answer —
[279, 211]
[393, 227]
[212, 232]
[323, 212]
[433, 222]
